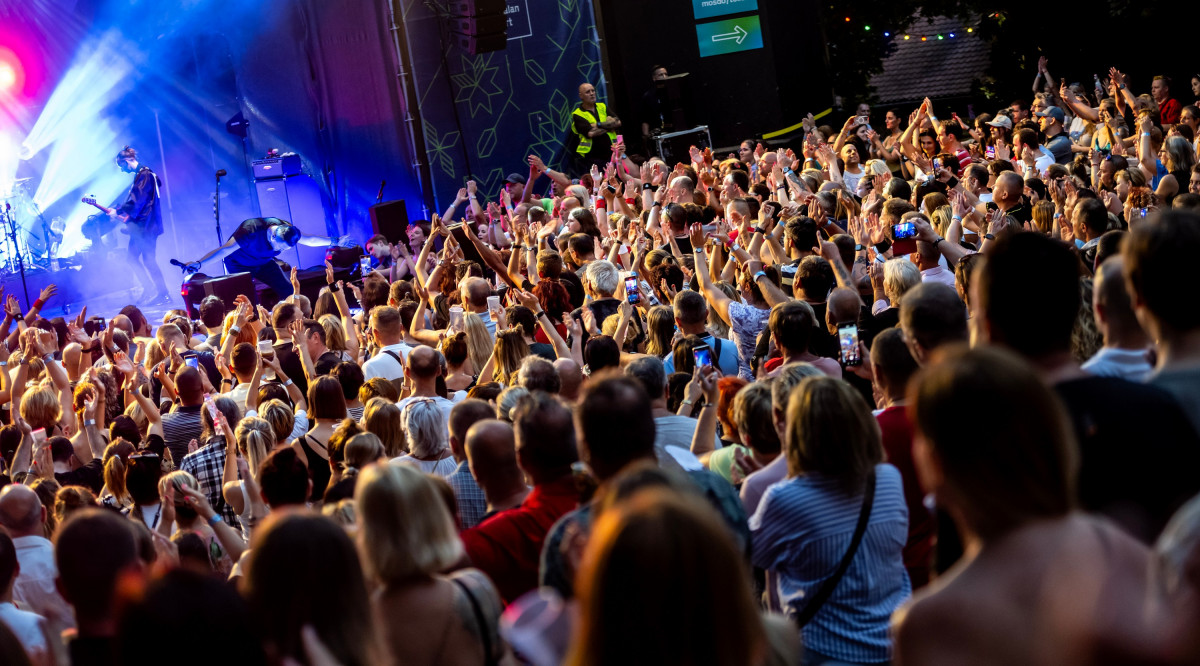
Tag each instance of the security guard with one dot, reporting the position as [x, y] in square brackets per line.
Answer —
[593, 131]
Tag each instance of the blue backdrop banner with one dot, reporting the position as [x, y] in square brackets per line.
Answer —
[482, 115]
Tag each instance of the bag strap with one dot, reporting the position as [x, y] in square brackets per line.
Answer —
[394, 355]
[485, 631]
[831, 583]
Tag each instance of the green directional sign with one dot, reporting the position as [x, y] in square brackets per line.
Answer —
[709, 8]
[729, 36]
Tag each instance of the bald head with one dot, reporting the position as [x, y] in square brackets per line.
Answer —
[1110, 300]
[422, 363]
[587, 93]
[1008, 188]
[492, 457]
[475, 292]
[844, 305]
[21, 512]
[571, 376]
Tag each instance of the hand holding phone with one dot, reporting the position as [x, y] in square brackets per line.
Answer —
[904, 237]
[848, 349]
[702, 355]
[632, 292]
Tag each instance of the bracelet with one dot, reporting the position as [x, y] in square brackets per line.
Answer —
[989, 237]
[760, 274]
[234, 330]
[89, 422]
[687, 402]
[657, 203]
[216, 518]
[530, 248]
[333, 287]
[940, 239]
[542, 313]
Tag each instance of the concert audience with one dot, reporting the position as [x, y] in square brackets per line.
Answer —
[921, 400]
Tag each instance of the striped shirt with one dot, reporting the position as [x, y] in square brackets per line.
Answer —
[800, 533]
[180, 427]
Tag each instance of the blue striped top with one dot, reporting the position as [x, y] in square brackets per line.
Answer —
[800, 533]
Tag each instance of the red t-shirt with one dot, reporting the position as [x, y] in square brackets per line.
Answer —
[1168, 111]
[897, 433]
[508, 546]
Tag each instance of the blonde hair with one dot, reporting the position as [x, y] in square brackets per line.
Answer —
[154, 354]
[479, 341]
[335, 334]
[899, 275]
[40, 408]
[405, 529]
[660, 328]
[134, 411]
[510, 350]
[255, 438]
[875, 168]
[381, 417]
[281, 418]
[177, 479]
[1043, 216]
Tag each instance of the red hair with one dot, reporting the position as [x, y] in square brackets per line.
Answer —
[727, 387]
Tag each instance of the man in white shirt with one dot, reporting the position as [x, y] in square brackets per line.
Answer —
[26, 626]
[22, 514]
[1125, 343]
[1031, 157]
[388, 332]
[930, 263]
[422, 368]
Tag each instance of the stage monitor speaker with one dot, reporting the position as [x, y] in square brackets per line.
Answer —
[390, 219]
[298, 200]
[225, 287]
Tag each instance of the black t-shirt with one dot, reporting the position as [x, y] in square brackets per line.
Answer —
[292, 366]
[90, 476]
[544, 350]
[1138, 452]
[253, 240]
[822, 342]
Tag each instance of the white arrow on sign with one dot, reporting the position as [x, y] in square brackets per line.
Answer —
[738, 35]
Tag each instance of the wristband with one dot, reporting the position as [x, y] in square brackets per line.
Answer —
[760, 274]
[289, 382]
[115, 349]
[989, 237]
[37, 305]
[657, 203]
[333, 287]
[883, 246]
[216, 518]
[956, 218]
[1143, 134]
[226, 379]
[687, 402]
[542, 313]
[234, 330]
[630, 201]
[647, 187]
[3, 364]
[530, 248]
[698, 250]
[759, 230]
[89, 422]
[935, 243]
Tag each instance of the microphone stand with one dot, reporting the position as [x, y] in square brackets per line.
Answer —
[217, 213]
[12, 234]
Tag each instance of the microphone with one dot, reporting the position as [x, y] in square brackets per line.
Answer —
[222, 172]
[180, 264]
[379, 197]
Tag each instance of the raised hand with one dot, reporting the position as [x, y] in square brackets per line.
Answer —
[121, 362]
[696, 235]
[472, 187]
[295, 279]
[48, 291]
[537, 164]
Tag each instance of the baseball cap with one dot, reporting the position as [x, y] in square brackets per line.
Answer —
[1001, 121]
[515, 178]
[1052, 112]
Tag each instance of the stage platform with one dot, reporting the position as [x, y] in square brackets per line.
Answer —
[105, 289]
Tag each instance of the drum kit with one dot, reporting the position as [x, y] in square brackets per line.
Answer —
[29, 238]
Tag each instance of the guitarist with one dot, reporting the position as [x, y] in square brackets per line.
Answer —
[143, 219]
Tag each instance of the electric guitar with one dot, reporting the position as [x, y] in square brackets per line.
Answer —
[111, 212]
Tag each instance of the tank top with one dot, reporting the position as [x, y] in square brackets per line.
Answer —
[318, 469]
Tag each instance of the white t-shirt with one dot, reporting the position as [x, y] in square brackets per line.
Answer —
[383, 365]
[27, 627]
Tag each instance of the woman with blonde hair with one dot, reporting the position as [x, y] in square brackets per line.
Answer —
[406, 536]
[255, 439]
[114, 495]
[336, 339]
[425, 432]
[509, 351]
[804, 526]
[382, 418]
[479, 340]
[1043, 216]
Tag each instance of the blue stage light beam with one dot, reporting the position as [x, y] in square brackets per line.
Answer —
[108, 188]
[100, 74]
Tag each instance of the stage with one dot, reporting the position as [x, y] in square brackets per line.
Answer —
[104, 287]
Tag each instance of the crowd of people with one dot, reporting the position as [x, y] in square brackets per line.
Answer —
[918, 394]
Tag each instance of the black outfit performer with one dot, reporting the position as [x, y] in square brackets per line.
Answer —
[143, 219]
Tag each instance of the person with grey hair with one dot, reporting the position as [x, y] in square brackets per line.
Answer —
[600, 282]
[425, 433]
[507, 401]
[672, 432]
[538, 374]
[890, 282]
[23, 517]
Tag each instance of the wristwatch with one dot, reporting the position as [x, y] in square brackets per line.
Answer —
[859, 247]
[989, 237]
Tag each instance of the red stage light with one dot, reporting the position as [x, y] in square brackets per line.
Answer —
[12, 75]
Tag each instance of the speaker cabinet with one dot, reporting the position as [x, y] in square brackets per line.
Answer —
[390, 219]
[298, 200]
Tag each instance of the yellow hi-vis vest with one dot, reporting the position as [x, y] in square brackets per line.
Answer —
[585, 141]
